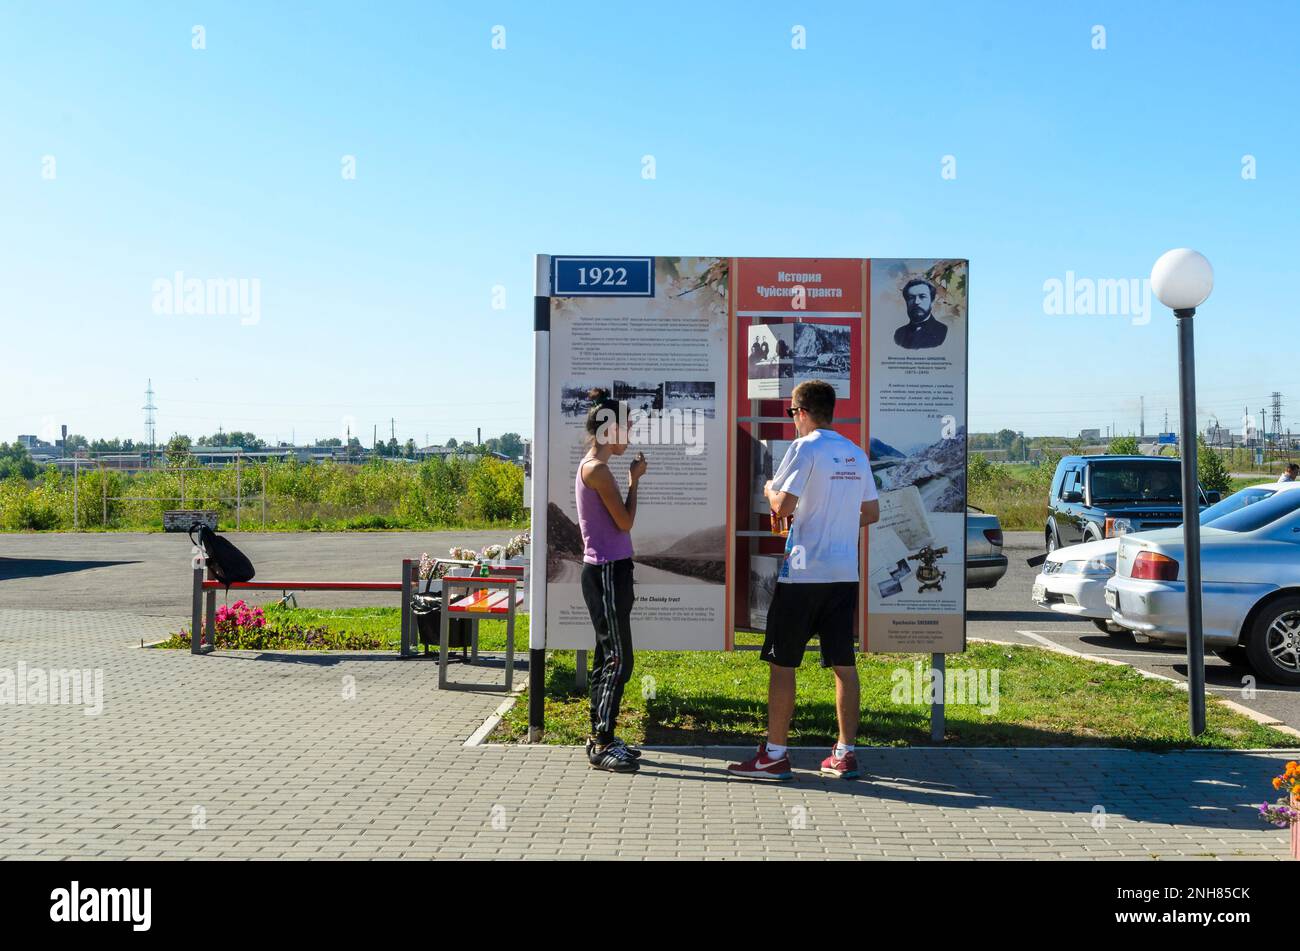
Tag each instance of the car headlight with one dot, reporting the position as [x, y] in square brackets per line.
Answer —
[1115, 527]
[1094, 567]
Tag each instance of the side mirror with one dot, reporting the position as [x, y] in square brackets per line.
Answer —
[1073, 496]
[1213, 497]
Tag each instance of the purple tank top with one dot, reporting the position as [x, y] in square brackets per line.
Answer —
[602, 540]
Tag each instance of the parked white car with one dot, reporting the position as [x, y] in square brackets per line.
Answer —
[1250, 586]
[1073, 579]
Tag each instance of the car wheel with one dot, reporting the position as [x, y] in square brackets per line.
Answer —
[1052, 542]
[1109, 627]
[1273, 648]
[1233, 655]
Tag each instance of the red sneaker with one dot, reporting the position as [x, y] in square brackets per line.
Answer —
[763, 766]
[841, 767]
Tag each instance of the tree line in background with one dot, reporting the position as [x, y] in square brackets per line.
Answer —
[459, 492]
[510, 444]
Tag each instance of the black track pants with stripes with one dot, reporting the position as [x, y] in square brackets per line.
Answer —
[607, 589]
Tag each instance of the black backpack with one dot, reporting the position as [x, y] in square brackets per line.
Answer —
[228, 563]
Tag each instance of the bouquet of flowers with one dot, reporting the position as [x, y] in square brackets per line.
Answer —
[239, 616]
[1282, 813]
[516, 545]
[511, 549]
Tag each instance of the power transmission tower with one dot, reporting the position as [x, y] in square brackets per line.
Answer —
[1277, 414]
[150, 423]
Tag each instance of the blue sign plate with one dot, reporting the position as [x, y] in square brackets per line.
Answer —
[602, 277]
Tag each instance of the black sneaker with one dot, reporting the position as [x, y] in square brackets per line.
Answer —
[632, 751]
[612, 757]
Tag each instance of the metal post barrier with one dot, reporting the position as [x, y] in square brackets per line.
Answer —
[182, 505]
[406, 649]
[211, 611]
[264, 498]
[76, 520]
[103, 483]
[196, 611]
[444, 628]
[936, 704]
[580, 671]
[239, 487]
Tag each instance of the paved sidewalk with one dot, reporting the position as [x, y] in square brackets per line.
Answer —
[245, 755]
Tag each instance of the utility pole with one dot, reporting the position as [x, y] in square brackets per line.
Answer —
[149, 421]
[1142, 424]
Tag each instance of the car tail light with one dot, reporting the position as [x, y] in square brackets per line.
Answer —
[994, 535]
[1153, 566]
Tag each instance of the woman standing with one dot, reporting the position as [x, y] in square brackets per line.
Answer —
[606, 518]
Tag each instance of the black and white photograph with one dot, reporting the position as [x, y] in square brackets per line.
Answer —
[763, 572]
[923, 330]
[770, 361]
[575, 397]
[824, 352]
[640, 396]
[697, 395]
[770, 452]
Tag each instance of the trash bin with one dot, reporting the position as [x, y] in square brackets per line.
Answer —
[427, 609]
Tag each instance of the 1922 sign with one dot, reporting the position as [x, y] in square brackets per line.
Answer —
[602, 277]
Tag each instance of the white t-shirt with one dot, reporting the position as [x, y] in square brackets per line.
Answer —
[832, 478]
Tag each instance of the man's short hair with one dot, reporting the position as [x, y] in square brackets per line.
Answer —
[817, 397]
[918, 280]
[1293, 466]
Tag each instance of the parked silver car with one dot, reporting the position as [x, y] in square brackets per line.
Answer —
[1073, 579]
[1250, 578]
[985, 563]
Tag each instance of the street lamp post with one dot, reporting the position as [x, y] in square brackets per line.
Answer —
[1182, 279]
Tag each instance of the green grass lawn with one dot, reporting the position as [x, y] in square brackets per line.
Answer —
[708, 697]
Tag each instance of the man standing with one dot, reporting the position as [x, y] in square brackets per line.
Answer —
[825, 482]
[922, 331]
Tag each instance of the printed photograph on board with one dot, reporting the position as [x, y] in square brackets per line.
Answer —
[575, 398]
[641, 396]
[763, 572]
[699, 396]
[823, 352]
[771, 360]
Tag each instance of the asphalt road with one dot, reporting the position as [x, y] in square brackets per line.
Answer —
[149, 574]
[1006, 613]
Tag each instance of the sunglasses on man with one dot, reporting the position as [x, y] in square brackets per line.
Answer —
[794, 411]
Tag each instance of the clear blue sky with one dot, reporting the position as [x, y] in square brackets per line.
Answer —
[376, 293]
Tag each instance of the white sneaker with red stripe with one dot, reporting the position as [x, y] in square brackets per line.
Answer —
[762, 766]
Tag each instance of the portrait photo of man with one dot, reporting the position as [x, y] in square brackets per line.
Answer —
[922, 331]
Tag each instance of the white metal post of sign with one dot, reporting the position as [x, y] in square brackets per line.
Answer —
[540, 486]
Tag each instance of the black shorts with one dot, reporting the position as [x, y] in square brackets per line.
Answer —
[800, 612]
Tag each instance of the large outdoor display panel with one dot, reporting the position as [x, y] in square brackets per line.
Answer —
[706, 351]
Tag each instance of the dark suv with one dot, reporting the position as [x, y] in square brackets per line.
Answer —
[1096, 497]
